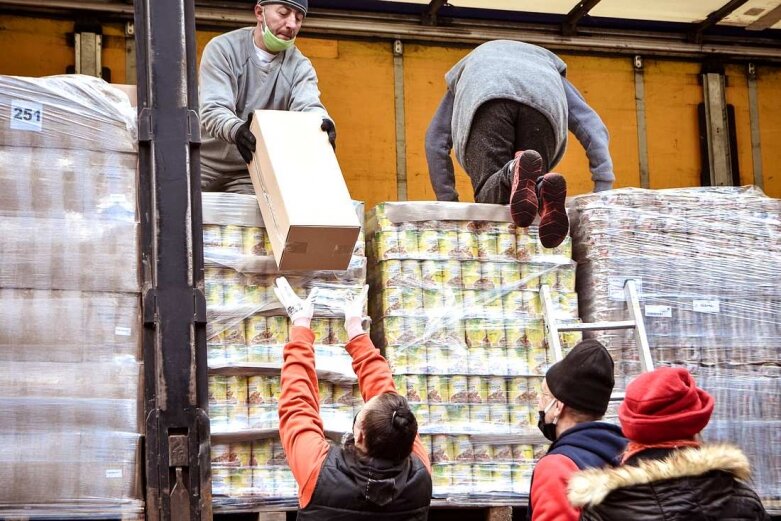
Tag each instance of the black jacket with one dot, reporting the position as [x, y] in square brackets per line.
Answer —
[354, 487]
[693, 484]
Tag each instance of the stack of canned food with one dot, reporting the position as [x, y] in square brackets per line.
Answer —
[252, 469]
[463, 465]
[457, 310]
[706, 263]
[246, 333]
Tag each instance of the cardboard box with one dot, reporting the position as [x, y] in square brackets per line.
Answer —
[302, 195]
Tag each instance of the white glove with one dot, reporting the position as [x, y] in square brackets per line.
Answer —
[353, 312]
[300, 311]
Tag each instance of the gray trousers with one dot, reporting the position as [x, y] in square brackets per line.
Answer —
[500, 128]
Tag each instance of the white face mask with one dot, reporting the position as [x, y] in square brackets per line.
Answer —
[548, 429]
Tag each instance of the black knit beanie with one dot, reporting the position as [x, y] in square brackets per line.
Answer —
[584, 378]
[301, 5]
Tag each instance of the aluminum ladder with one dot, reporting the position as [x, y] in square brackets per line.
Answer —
[553, 328]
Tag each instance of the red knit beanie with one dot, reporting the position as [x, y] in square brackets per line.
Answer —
[664, 405]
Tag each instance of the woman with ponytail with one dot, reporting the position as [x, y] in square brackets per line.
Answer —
[381, 470]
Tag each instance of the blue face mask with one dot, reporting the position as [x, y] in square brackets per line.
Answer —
[272, 42]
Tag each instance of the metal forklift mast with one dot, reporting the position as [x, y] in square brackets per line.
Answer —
[178, 481]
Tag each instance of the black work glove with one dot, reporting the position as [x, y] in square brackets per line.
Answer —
[328, 126]
[245, 141]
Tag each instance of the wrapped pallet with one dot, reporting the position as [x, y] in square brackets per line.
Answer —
[246, 331]
[456, 310]
[706, 264]
[69, 300]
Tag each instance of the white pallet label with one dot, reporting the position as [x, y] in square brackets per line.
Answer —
[657, 311]
[706, 306]
[26, 115]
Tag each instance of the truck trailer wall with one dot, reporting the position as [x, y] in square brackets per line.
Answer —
[358, 87]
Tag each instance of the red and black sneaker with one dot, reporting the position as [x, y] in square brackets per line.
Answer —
[554, 223]
[523, 194]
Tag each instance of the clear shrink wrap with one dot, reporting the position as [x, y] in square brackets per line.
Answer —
[69, 111]
[70, 378]
[456, 310]
[246, 331]
[69, 474]
[706, 262]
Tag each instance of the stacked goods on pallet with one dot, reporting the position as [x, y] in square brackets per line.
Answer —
[246, 332]
[706, 264]
[70, 327]
[456, 310]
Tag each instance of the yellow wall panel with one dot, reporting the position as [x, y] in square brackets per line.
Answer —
[608, 86]
[115, 52]
[34, 47]
[357, 89]
[737, 96]
[769, 87]
[672, 94]
[424, 86]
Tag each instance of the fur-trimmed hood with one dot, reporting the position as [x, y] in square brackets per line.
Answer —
[591, 487]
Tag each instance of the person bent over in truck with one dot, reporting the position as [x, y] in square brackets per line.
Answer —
[381, 470]
[506, 112]
[249, 69]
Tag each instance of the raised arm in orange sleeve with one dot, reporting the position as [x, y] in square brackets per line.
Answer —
[300, 426]
[374, 377]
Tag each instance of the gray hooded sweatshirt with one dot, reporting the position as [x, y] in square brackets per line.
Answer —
[521, 72]
[233, 83]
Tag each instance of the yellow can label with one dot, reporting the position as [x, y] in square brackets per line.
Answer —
[262, 451]
[458, 414]
[462, 448]
[416, 387]
[448, 244]
[258, 392]
[486, 245]
[254, 241]
[410, 272]
[483, 452]
[232, 238]
[392, 301]
[510, 275]
[477, 387]
[278, 329]
[506, 245]
[490, 277]
[467, 245]
[441, 448]
[387, 245]
[471, 274]
[390, 273]
[428, 242]
[408, 242]
[212, 236]
[437, 389]
[458, 389]
[497, 390]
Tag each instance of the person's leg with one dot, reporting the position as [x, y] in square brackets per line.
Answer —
[535, 132]
[489, 152]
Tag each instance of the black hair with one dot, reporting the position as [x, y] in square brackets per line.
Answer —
[390, 428]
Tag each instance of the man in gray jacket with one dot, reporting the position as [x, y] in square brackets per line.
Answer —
[506, 113]
[250, 69]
